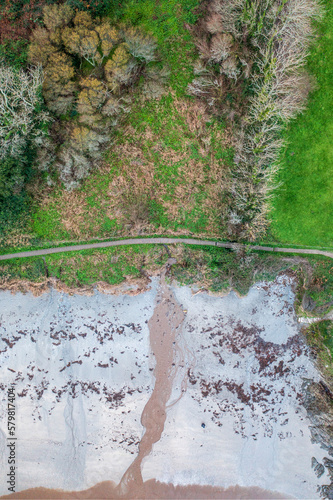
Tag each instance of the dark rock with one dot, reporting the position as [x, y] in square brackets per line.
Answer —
[318, 403]
[327, 491]
[308, 303]
[318, 468]
[329, 464]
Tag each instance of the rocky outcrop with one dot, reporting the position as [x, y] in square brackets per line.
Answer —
[319, 405]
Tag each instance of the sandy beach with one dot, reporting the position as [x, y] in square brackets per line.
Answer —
[83, 370]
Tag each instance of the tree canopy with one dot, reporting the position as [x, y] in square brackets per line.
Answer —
[88, 65]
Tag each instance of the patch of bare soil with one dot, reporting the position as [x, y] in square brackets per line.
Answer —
[131, 286]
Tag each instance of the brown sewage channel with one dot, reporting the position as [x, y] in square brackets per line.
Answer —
[164, 327]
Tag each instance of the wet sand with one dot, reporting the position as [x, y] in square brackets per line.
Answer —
[150, 490]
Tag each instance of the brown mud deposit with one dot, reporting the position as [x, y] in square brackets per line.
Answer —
[153, 490]
[163, 328]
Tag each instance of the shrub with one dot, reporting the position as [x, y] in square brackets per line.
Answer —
[109, 37]
[113, 106]
[220, 47]
[59, 86]
[82, 41]
[11, 177]
[254, 51]
[73, 167]
[87, 141]
[92, 96]
[19, 17]
[45, 156]
[119, 69]
[136, 207]
[14, 53]
[154, 85]
[75, 51]
[57, 16]
[41, 48]
[23, 128]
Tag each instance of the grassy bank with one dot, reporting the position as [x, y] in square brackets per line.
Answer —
[162, 175]
[78, 269]
[211, 268]
[303, 205]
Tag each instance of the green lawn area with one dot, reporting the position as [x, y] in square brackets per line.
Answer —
[303, 205]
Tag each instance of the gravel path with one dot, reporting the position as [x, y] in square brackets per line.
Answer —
[145, 241]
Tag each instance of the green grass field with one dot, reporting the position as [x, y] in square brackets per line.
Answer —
[303, 205]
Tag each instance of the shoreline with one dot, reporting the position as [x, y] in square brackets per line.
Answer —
[153, 489]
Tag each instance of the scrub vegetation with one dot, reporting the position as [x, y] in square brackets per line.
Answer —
[209, 268]
[151, 118]
[251, 70]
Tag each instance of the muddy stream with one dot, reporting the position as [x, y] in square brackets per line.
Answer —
[163, 328]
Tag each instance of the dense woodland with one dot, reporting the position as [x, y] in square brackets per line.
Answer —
[69, 69]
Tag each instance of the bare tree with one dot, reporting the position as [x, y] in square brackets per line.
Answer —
[140, 44]
[20, 121]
